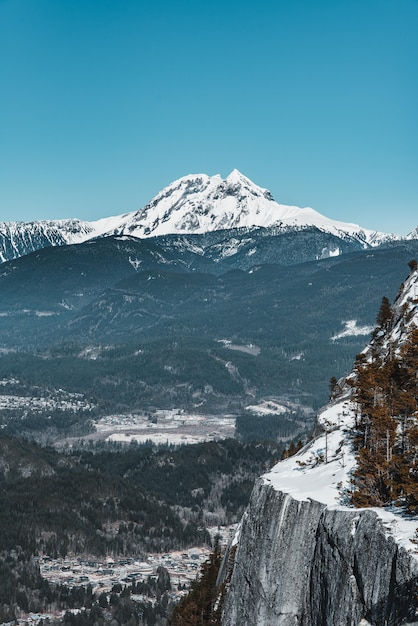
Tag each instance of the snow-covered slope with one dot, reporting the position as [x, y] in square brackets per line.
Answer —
[194, 204]
[20, 238]
[322, 469]
[413, 234]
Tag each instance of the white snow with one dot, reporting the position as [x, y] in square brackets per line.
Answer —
[405, 314]
[44, 313]
[200, 203]
[351, 330]
[166, 426]
[249, 348]
[267, 407]
[158, 438]
[322, 471]
[401, 528]
[335, 252]
[409, 297]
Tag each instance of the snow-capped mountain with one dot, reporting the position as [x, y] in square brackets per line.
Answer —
[201, 203]
[413, 234]
[194, 204]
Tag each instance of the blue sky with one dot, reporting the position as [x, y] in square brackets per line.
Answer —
[105, 102]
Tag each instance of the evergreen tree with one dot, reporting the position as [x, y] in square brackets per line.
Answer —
[333, 383]
[202, 606]
[385, 314]
[413, 264]
[386, 438]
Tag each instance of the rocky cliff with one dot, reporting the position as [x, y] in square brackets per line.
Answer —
[303, 557]
[302, 562]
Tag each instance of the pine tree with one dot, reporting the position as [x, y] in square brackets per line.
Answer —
[413, 264]
[333, 386]
[385, 314]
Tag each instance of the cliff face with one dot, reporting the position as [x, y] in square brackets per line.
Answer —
[272, 562]
[302, 557]
[359, 572]
[301, 562]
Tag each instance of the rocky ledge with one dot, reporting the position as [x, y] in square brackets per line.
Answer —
[303, 562]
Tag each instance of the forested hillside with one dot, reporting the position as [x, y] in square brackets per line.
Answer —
[386, 389]
[127, 501]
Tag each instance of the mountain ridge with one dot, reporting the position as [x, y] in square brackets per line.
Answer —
[193, 204]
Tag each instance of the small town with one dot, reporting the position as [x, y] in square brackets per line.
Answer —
[102, 574]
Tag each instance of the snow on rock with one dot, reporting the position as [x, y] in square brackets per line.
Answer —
[18, 238]
[304, 558]
[405, 317]
[321, 470]
[302, 562]
[413, 234]
[267, 407]
[407, 297]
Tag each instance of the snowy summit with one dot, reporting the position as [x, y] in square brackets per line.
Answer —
[199, 204]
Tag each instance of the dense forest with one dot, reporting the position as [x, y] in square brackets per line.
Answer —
[112, 499]
[270, 427]
[142, 376]
[386, 436]
[123, 500]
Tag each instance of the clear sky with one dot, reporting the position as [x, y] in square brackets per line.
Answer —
[105, 102]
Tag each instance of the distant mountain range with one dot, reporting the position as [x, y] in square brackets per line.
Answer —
[194, 204]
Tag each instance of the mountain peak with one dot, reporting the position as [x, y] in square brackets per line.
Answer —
[201, 203]
[235, 172]
[198, 203]
[237, 176]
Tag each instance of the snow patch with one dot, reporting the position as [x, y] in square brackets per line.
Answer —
[352, 330]
[335, 252]
[136, 263]
[45, 313]
[249, 348]
[267, 407]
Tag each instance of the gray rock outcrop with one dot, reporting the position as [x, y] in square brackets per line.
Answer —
[302, 563]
